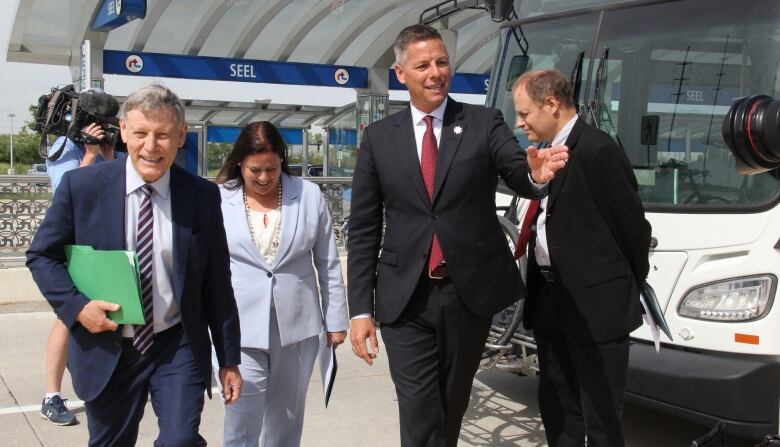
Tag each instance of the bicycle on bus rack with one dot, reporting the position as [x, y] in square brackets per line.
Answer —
[509, 346]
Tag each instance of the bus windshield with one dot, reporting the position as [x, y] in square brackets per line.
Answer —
[659, 79]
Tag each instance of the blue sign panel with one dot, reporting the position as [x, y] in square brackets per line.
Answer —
[115, 13]
[222, 134]
[225, 134]
[224, 69]
[476, 84]
[341, 136]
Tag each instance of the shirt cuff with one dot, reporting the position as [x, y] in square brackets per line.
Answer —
[541, 189]
[538, 186]
[361, 316]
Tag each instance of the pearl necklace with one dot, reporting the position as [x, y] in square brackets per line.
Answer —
[277, 227]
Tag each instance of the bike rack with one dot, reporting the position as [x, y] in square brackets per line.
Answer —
[526, 363]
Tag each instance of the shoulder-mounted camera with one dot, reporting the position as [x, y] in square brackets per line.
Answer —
[65, 112]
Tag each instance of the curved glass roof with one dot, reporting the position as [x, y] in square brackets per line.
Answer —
[335, 32]
[343, 32]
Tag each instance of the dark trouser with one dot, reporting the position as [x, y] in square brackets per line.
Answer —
[434, 350]
[581, 389]
[169, 374]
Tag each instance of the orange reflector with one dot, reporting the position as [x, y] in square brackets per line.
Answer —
[746, 338]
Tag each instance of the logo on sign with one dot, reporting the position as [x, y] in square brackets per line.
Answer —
[341, 76]
[134, 63]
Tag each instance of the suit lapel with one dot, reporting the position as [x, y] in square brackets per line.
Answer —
[182, 213]
[451, 133]
[406, 145]
[291, 191]
[236, 216]
[112, 193]
[560, 177]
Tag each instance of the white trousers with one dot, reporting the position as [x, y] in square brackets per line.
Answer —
[273, 399]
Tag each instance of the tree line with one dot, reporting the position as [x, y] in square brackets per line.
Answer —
[26, 142]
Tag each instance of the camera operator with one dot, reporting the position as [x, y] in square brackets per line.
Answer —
[75, 155]
[72, 155]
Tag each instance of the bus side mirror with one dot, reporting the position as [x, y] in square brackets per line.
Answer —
[499, 9]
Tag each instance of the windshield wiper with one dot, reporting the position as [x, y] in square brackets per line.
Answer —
[593, 111]
[576, 80]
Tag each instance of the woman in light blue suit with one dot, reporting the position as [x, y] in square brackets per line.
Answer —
[279, 234]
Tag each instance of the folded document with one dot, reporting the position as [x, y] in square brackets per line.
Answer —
[654, 315]
[108, 275]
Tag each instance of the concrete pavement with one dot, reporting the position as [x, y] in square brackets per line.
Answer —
[363, 410]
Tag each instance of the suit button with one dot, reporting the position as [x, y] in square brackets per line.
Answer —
[270, 274]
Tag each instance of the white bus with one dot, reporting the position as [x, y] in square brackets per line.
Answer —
[660, 76]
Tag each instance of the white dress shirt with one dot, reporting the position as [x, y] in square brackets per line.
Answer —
[419, 125]
[166, 312]
[541, 250]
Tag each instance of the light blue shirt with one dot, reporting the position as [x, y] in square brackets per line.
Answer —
[166, 313]
[70, 158]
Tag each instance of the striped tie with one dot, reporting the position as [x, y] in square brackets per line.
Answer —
[144, 335]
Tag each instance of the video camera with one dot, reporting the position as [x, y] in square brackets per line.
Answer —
[751, 129]
[65, 112]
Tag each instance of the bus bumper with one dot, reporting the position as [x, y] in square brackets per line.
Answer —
[706, 388]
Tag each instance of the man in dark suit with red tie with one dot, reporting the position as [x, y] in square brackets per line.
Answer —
[427, 176]
[586, 260]
[173, 220]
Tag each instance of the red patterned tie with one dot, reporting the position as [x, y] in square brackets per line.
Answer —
[525, 229]
[430, 151]
[144, 334]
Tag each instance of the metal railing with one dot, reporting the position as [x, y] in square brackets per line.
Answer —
[24, 200]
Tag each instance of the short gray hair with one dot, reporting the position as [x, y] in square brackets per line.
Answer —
[412, 34]
[154, 96]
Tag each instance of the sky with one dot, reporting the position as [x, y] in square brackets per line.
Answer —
[22, 84]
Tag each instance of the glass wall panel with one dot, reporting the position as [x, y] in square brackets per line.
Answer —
[342, 146]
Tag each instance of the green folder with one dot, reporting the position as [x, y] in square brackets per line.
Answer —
[108, 275]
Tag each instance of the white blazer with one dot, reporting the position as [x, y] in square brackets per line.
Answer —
[306, 244]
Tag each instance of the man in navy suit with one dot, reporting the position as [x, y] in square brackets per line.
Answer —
[173, 219]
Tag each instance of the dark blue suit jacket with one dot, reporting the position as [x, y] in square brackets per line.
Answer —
[89, 209]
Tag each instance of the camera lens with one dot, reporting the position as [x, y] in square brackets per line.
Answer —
[751, 129]
[111, 135]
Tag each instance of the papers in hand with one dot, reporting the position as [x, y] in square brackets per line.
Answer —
[328, 366]
[108, 275]
[653, 315]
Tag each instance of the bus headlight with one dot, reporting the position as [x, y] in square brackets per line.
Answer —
[739, 299]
